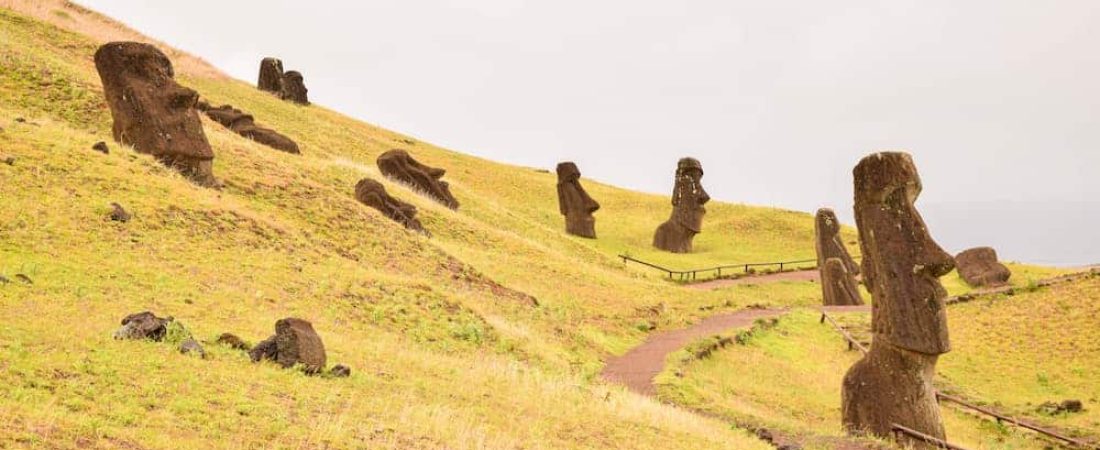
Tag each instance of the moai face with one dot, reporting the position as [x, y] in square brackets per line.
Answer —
[151, 111]
[901, 264]
[271, 75]
[688, 196]
[294, 88]
[827, 224]
[828, 242]
[398, 164]
[574, 202]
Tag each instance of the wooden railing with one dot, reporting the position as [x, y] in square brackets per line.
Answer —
[900, 430]
[692, 274]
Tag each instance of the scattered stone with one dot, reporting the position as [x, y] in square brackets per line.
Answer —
[193, 348]
[575, 203]
[828, 243]
[20, 120]
[340, 371]
[765, 435]
[373, 194]
[892, 384]
[23, 278]
[143, 325]
[688, 198]
[118, 214]
[979, 267]
[151, 111]
[232, 341]
[294, 342]
[294, 88]
[245, 125]
[401, 166]
[271, 75]
[838, 287]
[9, 160]
[101, 147]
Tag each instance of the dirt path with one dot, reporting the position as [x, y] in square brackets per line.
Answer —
[797, 275]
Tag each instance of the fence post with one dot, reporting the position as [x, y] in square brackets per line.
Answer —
[780, 267]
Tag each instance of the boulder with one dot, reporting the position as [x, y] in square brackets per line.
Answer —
[340, 371]
[979, 267]
[399, 165]
[892, 383]
[101, 147]
[192, 347]
[575, 203]
[295, 342]
[232, 341]
[151, 112]
[118, 214]
[244, 125]
[688, 197]
[374, 195]
[143, 325]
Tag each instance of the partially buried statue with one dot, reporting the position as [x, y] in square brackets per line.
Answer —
[271, 75]
[836, 268]
[574, 202]
[373, 194]
[979, 267]
[892, 384]
[688, 198]
[151, 111]
[295, 342]
[399, 165]
[245, 125]
[294, 88]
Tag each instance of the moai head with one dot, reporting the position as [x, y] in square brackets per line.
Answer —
[838, 287]
[271, 75]
[574, 203]
[688, 196]
[294, 88]
[151, 111]
[901, 262]
[828, 242]
[373, 194]
[979, 267]
[399, 165]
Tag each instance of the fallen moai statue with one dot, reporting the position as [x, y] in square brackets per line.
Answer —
[245, 125]
[979, 267]
[373, 194]
[688, 197]
[399, 165]
[151, 111]
[575, 203]
[892, 384]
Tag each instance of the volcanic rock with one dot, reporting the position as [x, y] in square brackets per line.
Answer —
[101, 147]
[294, 342]
[232, 341]
[192, 347]
[143, 325]
[118, 214]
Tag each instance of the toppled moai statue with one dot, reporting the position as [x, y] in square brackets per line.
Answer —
[979, 267]
[892, 384]
[373, 194]
[688, 198]
[401, 166]
[574, 203]
[151, 111]
[294, 342]
[143, 325]
[838, 287]
[828, 242]
[245, 125]
[271, 75]
[294, 88]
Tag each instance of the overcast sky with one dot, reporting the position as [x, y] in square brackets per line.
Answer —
[997, 100]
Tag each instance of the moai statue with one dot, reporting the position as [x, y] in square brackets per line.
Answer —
[892, 384]
[294, 88]
[399, 165]
[574, 203]
[373, 194]
[838, 287]
[688, 198]
[151, 112]
[295, 342]
[245, 125]
[828, 242]
[271, 75]
[979, 267]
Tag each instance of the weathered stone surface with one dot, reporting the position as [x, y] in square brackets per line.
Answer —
[373, 194]
[151, 111]
[118, 214]
[340, 371]
[401, 166]
[892, 384]
[101, 147]
[979, 267]
[192, 347]
[271, 75]
[232, 341]
[828, 242]
[838, 287]
[688, 198]
[294, 342]
[575, 203]
[294, 88]
[143, 325]
[245, 125]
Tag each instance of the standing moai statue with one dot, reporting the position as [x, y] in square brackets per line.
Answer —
[294, 88]
[979, 267]
[892, 384]
[838, 283]
[574, 203]
[271, 75]
[151, 112]
[688, 198]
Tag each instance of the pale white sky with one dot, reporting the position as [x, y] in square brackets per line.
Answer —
[998, 100]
